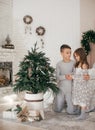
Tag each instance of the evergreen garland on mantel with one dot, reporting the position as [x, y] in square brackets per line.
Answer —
[87, 38]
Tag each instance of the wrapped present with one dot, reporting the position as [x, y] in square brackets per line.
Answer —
[23, 114]
[9, 115]
[36, 115]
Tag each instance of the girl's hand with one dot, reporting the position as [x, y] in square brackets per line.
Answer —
[86, 77]
[68, 77]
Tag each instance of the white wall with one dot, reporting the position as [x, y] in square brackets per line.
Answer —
[61, 18]
[5, 20]
[87, 15]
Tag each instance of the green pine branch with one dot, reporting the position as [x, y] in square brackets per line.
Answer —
[40, 77]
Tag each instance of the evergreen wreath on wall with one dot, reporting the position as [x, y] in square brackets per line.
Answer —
[28, 19]
[87, 38]
[40, 30]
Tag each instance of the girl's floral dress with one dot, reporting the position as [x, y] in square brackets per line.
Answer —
[83, 90]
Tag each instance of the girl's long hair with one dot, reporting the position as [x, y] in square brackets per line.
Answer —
[83, 57]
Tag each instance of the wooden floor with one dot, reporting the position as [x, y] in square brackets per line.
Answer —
[8, 125]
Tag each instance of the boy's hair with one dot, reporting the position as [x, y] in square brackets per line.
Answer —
[83, 57]
[64, 46]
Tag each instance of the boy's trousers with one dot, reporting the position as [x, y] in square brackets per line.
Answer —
[59, 102]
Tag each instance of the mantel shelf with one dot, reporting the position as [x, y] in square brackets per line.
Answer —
[7, 50]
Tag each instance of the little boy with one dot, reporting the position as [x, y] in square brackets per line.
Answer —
[64, 81]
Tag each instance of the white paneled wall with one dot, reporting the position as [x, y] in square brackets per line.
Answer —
[61, 18]
[5, 19]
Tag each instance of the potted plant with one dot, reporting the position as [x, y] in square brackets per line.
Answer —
[35, 76]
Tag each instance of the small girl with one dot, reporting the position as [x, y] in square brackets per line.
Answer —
[82, 89]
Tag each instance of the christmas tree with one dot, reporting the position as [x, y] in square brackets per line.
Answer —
[35, 73]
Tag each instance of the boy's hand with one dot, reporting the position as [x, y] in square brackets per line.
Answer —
[86, 77]
[68, 77]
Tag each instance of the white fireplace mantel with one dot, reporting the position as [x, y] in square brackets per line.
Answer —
[7, 55]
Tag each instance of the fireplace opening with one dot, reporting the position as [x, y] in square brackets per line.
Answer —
[6, 74]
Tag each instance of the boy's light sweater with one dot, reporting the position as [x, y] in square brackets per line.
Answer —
[62, 69]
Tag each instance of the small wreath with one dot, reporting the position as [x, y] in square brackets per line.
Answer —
[28, 19]
[40, 30]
